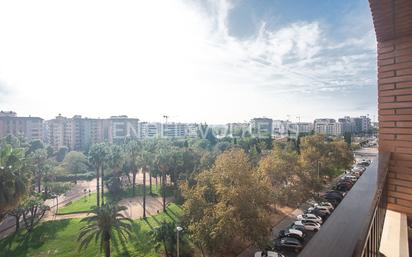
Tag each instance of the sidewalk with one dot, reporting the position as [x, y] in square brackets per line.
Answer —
[285, 222]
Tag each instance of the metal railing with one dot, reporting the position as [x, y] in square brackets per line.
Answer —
[355, 227]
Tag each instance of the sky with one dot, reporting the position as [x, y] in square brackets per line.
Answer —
[213, 61]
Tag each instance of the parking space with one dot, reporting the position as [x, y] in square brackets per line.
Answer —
[362, 160]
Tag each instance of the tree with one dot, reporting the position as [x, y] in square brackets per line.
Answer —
[56, 189]
[165, 235]
[61, 153]
[229, 201]
[283, 170]
[98, 156]
[163, 161]
[17, 213]
[115, 161]
[324, 158]
[75, 163]
[348, 138]
[146, 163]
[133, 149]
[33, 212]
[106, 220]
[14, 177]
[39, 160]
[34, 145]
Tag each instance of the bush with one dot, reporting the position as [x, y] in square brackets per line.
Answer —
[73, 177]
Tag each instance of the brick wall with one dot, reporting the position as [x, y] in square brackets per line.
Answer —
[395, 118]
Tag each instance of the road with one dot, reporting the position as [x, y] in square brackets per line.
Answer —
[364, 153]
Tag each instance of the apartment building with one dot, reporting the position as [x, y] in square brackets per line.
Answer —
[300, 127]
[237, 129]
[327, 127]
[30, 128]
[261, 127]
[150, 130]
[121, 128]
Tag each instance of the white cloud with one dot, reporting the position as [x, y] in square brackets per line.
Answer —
[147, 58]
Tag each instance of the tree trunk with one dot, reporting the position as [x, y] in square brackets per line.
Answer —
[150, 183]
[144, 193]
[98, 185]
[157, 184]
[57, 205]
[107, 248]
[102, 179]
[39, 184]
[134, 183]
[202, 251]
[17, 223]
[164, 191]
[165, 246]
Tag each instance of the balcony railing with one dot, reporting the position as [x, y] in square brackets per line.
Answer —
[355, 227]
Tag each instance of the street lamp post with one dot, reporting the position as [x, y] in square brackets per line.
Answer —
[178, 229]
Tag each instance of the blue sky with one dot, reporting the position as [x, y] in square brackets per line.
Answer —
[212, 61]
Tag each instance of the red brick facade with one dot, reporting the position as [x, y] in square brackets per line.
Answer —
[393, 25]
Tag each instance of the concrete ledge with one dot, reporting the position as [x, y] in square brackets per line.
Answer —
[394, 242]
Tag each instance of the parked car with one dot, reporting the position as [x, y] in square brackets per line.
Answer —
[351, 178]
[359, 168]
[317, 213]
[335, 194]
[297, 227]
[268, 254]
[295, 233]
[364, 163]
[355, 173]
[326, 204]
[320, 209]
[308, 225]
[288, 244]
[334, 197]
[343, 186]
[311, 217]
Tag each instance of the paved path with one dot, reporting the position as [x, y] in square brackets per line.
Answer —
[134, 208]
[7, 226]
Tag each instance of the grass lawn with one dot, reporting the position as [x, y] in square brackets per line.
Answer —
[59, 239]
[86, 203]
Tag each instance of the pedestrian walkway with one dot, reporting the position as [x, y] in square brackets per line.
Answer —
[282, 224]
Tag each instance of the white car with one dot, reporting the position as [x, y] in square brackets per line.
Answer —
[310, 217]
[325, 204]
[322, 209]
[268, 254]
[294, 231]
[351, 178]
[308, 225]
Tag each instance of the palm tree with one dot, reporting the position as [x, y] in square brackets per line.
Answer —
[146, 162]
[39, 160]
[13, 177]
[97, 157]
[166, 236]
[133, 151]
[163, 160]
[106, 220]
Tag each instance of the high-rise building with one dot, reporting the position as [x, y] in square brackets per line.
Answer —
[261, 127]
[301, 127]
[30, 128]
[327, 127]
[237, 129]
[122, 127]
[59, 132]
